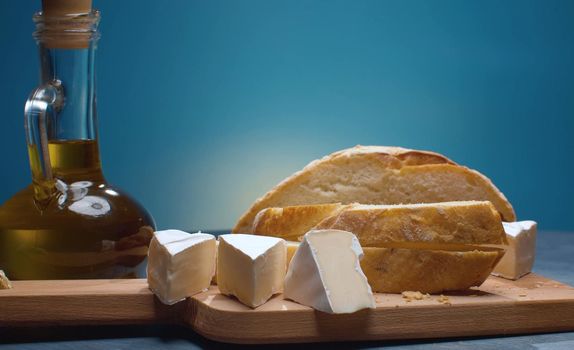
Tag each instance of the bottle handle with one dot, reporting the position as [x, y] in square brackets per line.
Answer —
[39, 116]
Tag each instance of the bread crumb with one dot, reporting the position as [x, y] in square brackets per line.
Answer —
[522, 294]
[443, 299]
[4, 281]
[410, 296]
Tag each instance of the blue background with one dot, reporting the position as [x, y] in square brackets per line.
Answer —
[204, 105]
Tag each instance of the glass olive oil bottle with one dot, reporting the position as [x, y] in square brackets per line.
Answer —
[69, 223]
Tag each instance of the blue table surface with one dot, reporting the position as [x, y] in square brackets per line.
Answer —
[554, 259]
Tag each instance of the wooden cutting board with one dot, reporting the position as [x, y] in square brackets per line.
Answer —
[532, 304]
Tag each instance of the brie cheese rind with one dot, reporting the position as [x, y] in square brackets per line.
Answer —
[180, 264]
[251, 268]
[519, 257]
[325, 273]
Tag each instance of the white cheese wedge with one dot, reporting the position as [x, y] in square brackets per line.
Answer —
[180, 264]
[519, 257]
[326, 275]
[251, 268]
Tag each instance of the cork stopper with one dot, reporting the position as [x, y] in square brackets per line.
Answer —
[67, 24]
[60, 8]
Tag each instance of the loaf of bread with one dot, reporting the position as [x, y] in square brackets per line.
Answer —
[379, 175]
[454, 223]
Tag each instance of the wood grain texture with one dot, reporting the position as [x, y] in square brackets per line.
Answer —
[531, 305]
[82, 302]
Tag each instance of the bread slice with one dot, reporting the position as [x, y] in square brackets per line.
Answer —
[290, 223]
[463, 223]
[379, 175]
[430, 225]
[395, 270]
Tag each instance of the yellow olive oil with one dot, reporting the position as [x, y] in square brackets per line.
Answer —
[84, 228]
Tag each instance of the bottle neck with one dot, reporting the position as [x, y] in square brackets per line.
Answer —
[73, 68]
[60, 114]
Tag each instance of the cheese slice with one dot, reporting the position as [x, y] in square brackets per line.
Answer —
[326, 275]
[291, 249]
[519, 256]
[180, 264]
[251, 268]
[4, 281]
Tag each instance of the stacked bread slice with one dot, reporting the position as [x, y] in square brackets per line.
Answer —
[424, 247]
[451, 241]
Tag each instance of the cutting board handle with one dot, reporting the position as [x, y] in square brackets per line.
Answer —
[85, 302]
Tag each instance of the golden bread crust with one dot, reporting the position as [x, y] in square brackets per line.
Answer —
[472, 223]
[393, 270]
[379, 175]
[289, 222]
